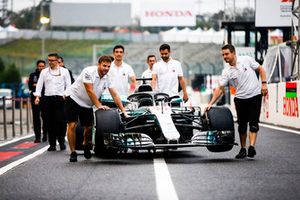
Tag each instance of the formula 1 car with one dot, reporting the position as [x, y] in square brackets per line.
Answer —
[157, 121]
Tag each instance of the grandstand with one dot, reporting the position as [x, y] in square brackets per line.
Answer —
[195, 58]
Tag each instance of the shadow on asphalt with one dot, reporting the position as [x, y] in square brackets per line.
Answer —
[171, 157]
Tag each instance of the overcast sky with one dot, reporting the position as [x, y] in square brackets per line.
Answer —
[204, 6]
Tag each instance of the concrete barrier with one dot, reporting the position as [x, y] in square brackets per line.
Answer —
[281, 105]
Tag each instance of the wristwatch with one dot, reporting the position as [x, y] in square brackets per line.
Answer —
[263, 82]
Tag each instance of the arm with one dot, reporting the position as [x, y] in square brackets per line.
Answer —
[133, 81]
[183, 86]
[38, 89]
[217, 93]
[39, 85]
[117, 99]
[93, 97]
[154, 81]
[67, 79]
[30, 84]
[263, 77]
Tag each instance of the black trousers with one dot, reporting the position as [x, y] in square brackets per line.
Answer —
[55, 117]
[248, 111]
[38, 114]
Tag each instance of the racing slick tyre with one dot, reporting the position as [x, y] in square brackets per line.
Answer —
[221, 119]
[107, 123]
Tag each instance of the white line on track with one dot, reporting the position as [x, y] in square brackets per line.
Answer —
[16, 140]
[164, 185]
[279, 128]
[22, 160]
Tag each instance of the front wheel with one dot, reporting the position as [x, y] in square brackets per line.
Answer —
[107, 123]
[221, 119]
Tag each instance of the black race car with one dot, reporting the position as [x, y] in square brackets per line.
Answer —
[157, 121]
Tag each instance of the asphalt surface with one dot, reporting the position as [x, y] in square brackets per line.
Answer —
[196, 174]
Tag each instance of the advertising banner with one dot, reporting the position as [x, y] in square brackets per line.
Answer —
[171, 13]
[273, 13]
[90, 14]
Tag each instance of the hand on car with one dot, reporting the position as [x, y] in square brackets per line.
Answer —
[103, 107]
[207, 108]
[185, 98]
[125, 114]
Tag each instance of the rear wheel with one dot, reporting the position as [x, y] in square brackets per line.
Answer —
[107, 123]
[220, 119]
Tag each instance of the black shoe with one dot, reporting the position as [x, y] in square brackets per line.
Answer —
[51, 148]
[87, 153]
[62, 147]
[241, 154]
[44, 139]
[37, 141]
[251, 152]
[73, 157]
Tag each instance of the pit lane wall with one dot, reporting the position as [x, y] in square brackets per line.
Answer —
[281, 105]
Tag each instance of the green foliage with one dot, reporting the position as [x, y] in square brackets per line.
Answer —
[10, 75]
[24, 53]
[2, 66]
[25, 19]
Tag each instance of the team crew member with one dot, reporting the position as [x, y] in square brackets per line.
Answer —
[167, 73]
[37, 110]
[240, 73]
[120, 72]
[62, 64]
[82, 96]
[55, 80]
[151, 59]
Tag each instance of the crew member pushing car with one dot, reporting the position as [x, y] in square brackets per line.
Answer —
[240, 73]
[83, 94]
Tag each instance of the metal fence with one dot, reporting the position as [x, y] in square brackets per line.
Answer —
[15, 118]
[79, 35]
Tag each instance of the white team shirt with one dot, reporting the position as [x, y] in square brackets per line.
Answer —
[78, 92]
[120, 77]
[167, 76]
[55, 82]
[242, 77]
[147, 74]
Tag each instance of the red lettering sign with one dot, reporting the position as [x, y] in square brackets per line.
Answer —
[168, 13]
[290, 107]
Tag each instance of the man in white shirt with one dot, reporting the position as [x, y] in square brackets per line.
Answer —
[240, 73]
[167, 74]
[83, 94]
[151, 59]
[55, 80]
[120, 72]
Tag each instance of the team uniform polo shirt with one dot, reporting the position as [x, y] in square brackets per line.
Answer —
[119, 77]
[242, 77]
[167, 76]
[54, 81]
[147, 74]
[78, 92]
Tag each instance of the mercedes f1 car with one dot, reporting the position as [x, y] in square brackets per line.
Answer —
[157, 121]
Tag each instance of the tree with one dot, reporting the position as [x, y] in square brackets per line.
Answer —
[2, 66]
[11, 75]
